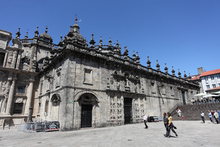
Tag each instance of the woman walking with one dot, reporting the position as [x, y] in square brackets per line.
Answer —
[170, 126]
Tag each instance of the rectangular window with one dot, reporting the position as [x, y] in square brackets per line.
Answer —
[208, 86]
[213, 85]
[212, 77]
[87, 76]
[18, 108]
[172, 91]
[21, 89]
[39, 106]
[46, 108]
[218, 84]
[2, 57]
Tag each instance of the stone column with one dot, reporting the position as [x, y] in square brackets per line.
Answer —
[3, 106]
[10, 97]
[1, 103]
[29, 97]
[33, 58]
[5, 59]
[18, 60]
[13, 64]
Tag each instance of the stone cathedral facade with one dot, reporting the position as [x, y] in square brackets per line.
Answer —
[82, 84]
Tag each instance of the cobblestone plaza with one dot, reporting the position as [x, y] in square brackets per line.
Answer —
[191, 134]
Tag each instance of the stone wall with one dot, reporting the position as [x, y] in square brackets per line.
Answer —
[62, 82]
[110, 84]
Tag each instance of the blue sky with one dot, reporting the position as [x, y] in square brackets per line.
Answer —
[182, 33]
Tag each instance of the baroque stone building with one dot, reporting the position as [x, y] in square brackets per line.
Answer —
[82, 84]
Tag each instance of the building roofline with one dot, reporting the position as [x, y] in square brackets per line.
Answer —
[211, 72]
[9, 33]
[112, 58]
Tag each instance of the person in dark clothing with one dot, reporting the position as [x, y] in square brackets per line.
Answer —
[170, 126]
[202, 117]
[165, 121]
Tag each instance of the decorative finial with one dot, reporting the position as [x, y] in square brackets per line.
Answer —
[166, 69]
[137, 58]
[117, 48]
[92, 41]
[18, 34]
[148, 62]
[179, 73]
[173, 71]
[157, 65]
[117, 44]
[134, 55]
[110, 42]
[76, 21]
[26, 36]
[100, 41]
[75, 28]
[61, 38]
[46, 29]
[36, 33]
[125, 51]
[185, 76]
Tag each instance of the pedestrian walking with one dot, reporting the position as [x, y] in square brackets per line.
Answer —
[7, 121]
[210, 115]
[170, 126]
[179, 112]
[216, 116]
[145, 121]
[203, 117]
[165, 121]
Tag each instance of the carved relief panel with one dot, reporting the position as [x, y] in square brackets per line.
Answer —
[116, 108]
[138, 108]
[4, 87]
[124, 81]
[142, 86]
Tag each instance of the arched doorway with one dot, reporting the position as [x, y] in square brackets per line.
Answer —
[87, 102]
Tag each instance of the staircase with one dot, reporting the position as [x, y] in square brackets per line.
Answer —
[192, 112]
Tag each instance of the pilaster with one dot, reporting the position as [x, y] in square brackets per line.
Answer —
[11, 95]
[5, 59]
[18, 60]
[29, 96]
[13, 64]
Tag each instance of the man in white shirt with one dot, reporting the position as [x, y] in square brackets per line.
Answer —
[179, 112]
[203, 116]
[145, 121]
